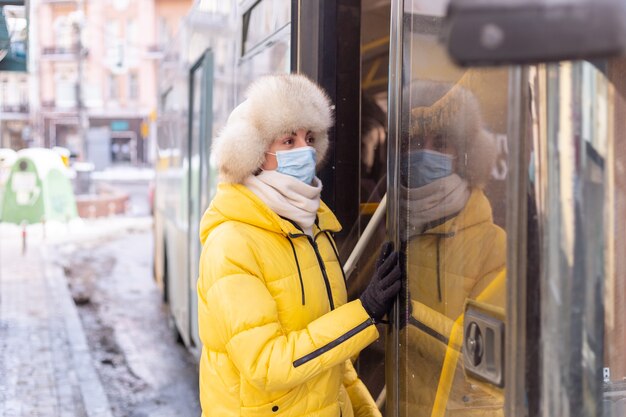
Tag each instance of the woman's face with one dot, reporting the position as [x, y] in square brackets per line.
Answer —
[439, 144]
[296, 139]
[436, 143]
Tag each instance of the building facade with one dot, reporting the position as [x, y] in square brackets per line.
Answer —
[96, 63]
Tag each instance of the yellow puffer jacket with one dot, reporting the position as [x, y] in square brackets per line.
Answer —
[462, 259]
[277, 332]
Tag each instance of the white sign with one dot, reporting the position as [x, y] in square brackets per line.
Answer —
[24, 185]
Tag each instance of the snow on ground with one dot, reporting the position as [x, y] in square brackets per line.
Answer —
[76, 230]
[108, 266]
[144, 371]
[124, 174]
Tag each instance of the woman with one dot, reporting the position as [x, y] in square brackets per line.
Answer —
[455, 253]
[276, 329]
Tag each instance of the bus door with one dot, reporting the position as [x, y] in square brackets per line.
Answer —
[506, 196]
[449, 209]
[200, 133]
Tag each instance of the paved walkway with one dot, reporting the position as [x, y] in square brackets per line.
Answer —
[45, 365]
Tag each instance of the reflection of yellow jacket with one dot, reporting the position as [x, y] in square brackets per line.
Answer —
[271, 344]
[447, 265]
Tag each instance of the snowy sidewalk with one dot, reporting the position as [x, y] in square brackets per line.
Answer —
[45, 365]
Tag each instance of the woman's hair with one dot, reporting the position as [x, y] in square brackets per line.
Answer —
[276, 105]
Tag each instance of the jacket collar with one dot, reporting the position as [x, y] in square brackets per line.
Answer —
[236, 202]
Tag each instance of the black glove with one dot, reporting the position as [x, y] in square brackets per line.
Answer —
[378, 297]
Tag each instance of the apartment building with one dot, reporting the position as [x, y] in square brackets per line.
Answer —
[96, 65]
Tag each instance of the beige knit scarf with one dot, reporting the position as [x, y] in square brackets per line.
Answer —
[288, 197]
[441, 198]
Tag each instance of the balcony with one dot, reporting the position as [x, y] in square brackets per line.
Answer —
[14, 111]
[14, 108]
[58, 1]
[154, 52]
[59, 107]
[59, 53]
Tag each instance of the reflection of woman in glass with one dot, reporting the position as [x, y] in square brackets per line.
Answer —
[454, 250]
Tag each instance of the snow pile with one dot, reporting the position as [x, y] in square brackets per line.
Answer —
[76, 230]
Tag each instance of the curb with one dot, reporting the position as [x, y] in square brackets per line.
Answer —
[93, 395]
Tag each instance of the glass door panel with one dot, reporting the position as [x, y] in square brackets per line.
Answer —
[459, 197]
[451, 205]
[361, 246]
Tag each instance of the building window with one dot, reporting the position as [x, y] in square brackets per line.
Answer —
[210, 6]
[133, 86]
[131, 31]
[112, 30]
[163, 34]
[113, 87]
[23, 94]
[63, 35]
[65, 89]
[4, 89]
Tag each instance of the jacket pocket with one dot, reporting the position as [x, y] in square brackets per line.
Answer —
[292, 403]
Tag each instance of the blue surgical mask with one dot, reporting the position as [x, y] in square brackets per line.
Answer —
[298, 163]
[424, 166]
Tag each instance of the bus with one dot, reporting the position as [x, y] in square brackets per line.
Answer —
[515, 273]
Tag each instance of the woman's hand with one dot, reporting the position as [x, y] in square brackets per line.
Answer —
[378, 297]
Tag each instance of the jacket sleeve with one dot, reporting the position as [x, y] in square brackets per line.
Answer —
[244, 322]
[363, 404]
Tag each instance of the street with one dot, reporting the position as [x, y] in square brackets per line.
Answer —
[83, 330]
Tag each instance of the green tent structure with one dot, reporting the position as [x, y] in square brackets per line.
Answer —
[7, 157]
[38, 189]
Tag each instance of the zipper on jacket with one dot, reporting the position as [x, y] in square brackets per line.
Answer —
[320, 261]
[334, 343]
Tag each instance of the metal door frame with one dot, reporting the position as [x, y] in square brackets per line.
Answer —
[205, 65]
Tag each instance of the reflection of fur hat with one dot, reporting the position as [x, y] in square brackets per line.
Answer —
[456, 118]
[276, 105]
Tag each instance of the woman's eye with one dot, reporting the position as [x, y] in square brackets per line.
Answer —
[288, 141]
[310, 140]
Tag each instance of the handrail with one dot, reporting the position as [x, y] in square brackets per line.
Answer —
[357, 252]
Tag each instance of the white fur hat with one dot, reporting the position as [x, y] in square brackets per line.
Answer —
[276, 105]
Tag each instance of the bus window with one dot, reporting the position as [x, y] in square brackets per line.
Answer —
[266, 42]
[451, 205]
[262, 20]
